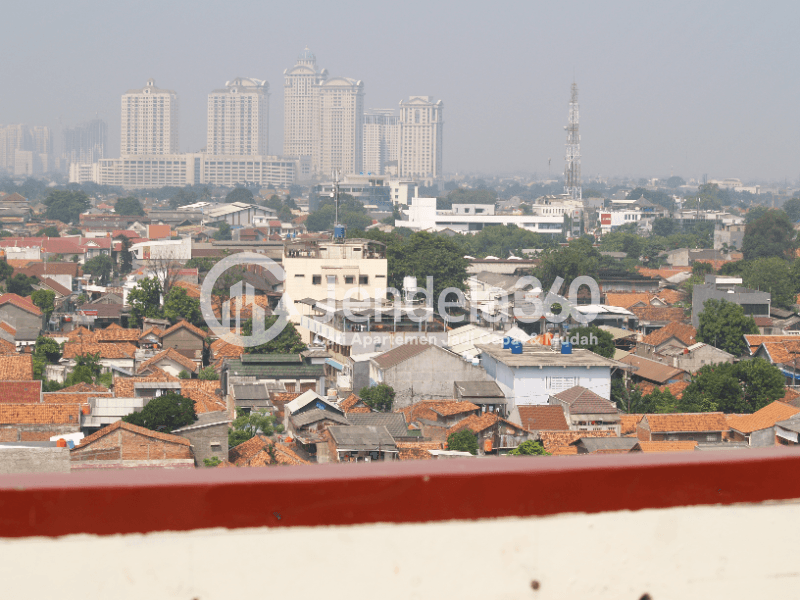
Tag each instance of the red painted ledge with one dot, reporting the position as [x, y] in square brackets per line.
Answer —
[408, 492]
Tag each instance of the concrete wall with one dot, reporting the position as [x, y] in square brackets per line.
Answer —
[426, 376]
[202, 438]
[702, 293]
[22, 432]
[763, 438]
[34, 460]
[18, 318]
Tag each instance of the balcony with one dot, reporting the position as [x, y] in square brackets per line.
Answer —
[691, 525]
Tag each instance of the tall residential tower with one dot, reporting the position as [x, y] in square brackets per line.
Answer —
[238, 118]
[298, 111]
[149, 121]
[381, 128]
[85, 143]
[338, 128]
[420, 143]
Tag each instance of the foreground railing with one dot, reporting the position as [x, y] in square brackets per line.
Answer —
[696, 524]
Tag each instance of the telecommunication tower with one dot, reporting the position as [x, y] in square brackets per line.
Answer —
[572, 172]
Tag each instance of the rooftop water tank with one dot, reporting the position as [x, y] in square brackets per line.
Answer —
[516, 347]
[566, 348]
[338, 232]
[507, 341]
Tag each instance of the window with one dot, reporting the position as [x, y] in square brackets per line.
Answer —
[331, 279]
[316, 279]
[363, 279]
[299, 275]
[348, 279]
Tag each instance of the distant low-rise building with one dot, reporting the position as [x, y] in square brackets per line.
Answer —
[754, 303]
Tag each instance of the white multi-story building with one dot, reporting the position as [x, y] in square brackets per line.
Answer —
[420, 139]
[357, 269]
[149, 121]
[338, 131]
[298, 104]
[238, 118]
[381, 128]
[33, 144]
[472, 218]
[188, 169]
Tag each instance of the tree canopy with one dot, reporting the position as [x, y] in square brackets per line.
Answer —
[379, 397]
[529, 448]
[742, 387]
[352, 214]
[771, 235]
[45, 300]
[49, 231]
[100, 267]
[605, 341]
[723, 324]
[145, 300]
[246, 426]
[129, 206]
[240, 194]
[223, 231]
[773, 275]
[792, 209]
[287, 341]
[164, 413]
[21, 284]
[66, 206]
[463, 441]
[423, 255]
[178, 306]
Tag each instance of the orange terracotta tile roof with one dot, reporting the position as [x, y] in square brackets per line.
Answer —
[652, 370]
[657, 313]
[20, 302]
[281, 399]
[203, 401]
[80, 398]
[20, 392]
[629, 423]
[7, 348]
[433, 409]
[209, 386]
[7, 328]
[676, 389]
[84, 387]
[40, 414]
[789, 396]
[564, 451]
[115, 333]
[543, 418]
[554, 439]
[763, 418]
[81, 333]
[664, 272]
[755, 340]
[222, 349]
[680, 422]
[185, 325]
[245, 305]
[255, 453]
[671, 296]
[354, 404]
[173, 355]
[108, 350]
[627, 299]
[192, 289]
[417, 450]
[124, 386]
[674, 446]
[476, 424]
[154, 330]
[784, 353]
[16, 367]
[684, 332]
[164, 437]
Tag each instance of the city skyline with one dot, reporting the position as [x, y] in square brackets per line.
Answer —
[684, 89]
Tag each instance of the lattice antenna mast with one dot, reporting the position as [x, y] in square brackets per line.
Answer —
[572, 172]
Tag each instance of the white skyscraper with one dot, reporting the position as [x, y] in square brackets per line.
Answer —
[238, 118]
[149, 121]
[85, 144]
[338, 128]
[25, 150]
[420, 144]
[298, 111]
[381, 128]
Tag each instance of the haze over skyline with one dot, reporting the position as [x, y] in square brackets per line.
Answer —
[675, 88]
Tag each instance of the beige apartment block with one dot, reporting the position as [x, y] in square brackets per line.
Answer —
[238, 118]
[149, 121]
[420, 150]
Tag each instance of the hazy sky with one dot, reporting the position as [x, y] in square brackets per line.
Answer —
[670, 87]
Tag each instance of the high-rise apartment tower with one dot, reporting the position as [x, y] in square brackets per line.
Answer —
[149, 121]
[298, 104]
[238, 118]
[420, 144]
[85, 143]
[381, 128]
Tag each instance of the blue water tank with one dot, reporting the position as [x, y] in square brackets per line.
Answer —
[338, 231]
[516, 347]
[507, 341]
[566, 347]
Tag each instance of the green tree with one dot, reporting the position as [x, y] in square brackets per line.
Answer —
[6, 270]
[80, 374]
[771, 235]
[463, 441]
[576, 259]
[674, 182]
[125, 258]
[240, 194]
[47, 348]
[45, 300]
[742, 387]
[504, 240]
[223, 231]
[754, 213]
[164, 413]
[792, 209]
[659, 401]
[424, 255]
[655, 196]
[184, 374]
[180, 306]
[285, 214]
[182, 197]
[246, 426]
[208, 374]
[723, 324]
[529, 448]
[287, 341]
[100, 268]
[664, 227]
[49, 231]
[598, 340]
[129, 206]
[352, 214]
[379, 397]
[212, 462]
[773, 275]
[21, 284]
[145, 300]
[66, 206]
[90, 361]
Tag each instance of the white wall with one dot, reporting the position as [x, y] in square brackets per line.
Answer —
[620, 555]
